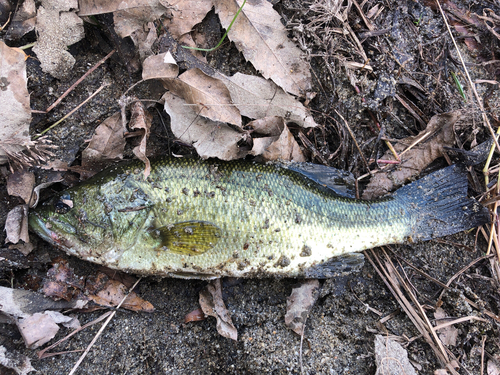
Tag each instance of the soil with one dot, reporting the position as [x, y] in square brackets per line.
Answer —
[340, 330]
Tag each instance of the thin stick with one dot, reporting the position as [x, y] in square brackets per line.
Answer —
[354, 139]
[82, 357]
[480, 103]
[73, 111]
[41, 354]
[79, 81]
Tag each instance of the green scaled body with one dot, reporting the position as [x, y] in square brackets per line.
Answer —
[206, 219]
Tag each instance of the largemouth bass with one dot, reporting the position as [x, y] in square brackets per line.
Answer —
[207, 219]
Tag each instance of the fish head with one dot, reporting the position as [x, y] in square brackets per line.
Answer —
[74, 221]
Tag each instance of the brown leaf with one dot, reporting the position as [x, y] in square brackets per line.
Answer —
[260, 35]
[141, 119]
[114, 292]
[131, 19]
[62, 283]
[209, 96]
[23, 21]
[21, 184]
[272, 126]
[160, 66]
[107, 144]
[195, 316]
[391, 358]
[257, 97]
[16, 224]
[449, 334]
[212, 304]
[438, 134]
[184, 15]
[283, 147]
[492, 368]
[299, 304]
[209, 138]
[37, 329]
[15, 111]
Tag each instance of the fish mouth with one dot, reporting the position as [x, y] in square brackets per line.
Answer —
[38, 226]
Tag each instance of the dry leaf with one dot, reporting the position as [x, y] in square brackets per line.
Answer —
[492, 368]
[184, 15]
[16, 224]
[114, 292]
[257, 97]
[285, 148]
[281, 145]
[160, 66]
[15, 361]
[209, 138]
[37, 329]
[107, 144]
[449, 334]
[209, 96]
[212, 304]
[299, 304]
[391, 358]
[259, 34]
[23, 21]
[57, 27]
[141, 119]
[428, 146]
[129, 20]
[21, 184]
[15, 111]
[195, 316]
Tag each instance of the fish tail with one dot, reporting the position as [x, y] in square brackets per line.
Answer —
[439, 206]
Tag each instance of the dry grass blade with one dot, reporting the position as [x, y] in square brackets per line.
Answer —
[42, 353]
[101, 330]
[476, 95]
[400, 290]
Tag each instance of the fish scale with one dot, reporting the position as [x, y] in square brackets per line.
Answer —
[204, 219]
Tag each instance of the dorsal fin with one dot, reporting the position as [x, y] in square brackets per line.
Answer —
[333, 180]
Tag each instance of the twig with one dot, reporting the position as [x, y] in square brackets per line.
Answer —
[73, 111]
[41, 354]
[473, 88]
[483, 341]
[82, 357]
[354, 139]
[79, 81]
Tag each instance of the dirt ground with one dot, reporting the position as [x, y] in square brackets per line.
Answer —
[350, 311]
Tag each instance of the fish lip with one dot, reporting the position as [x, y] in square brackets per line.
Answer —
[38, 226]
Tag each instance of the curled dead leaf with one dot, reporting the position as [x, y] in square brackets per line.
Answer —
[16, 225]
[141, 119]
[107, 144]
[15, 111]
[212, 304]
[299, 304]
[419, 152]
[21, 184]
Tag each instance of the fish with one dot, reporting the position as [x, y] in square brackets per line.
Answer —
[207, 219]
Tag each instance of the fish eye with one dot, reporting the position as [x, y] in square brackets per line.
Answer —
[64, 204]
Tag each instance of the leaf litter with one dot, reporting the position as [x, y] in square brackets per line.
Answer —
[272, 114]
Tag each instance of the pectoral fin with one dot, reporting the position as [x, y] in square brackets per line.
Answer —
[189, 237]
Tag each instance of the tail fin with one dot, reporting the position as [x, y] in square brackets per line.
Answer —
[439, 205]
